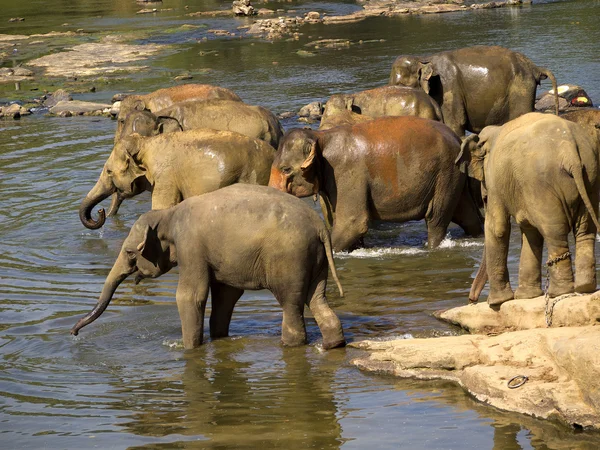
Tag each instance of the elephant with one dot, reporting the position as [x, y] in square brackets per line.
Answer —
[391, 169]
[339, 112]
[389, 101]
[236, 238]
[228, 115]
[588, 118]
[541, 170]
[163, 98]
[475, 86]
[177, 166]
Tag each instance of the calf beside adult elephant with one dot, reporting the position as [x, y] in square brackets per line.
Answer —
[391, 169]
[475, 86]
[227, 115]
[177, 166]
[282, 246]
[543, 171]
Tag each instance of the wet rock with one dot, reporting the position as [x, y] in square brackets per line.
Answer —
[77, 107]
[558, 369]
[313, 110]
[58, 96]
[524, 314]
[118, 97]
[305, 54]
[182, 77]
[286, 115]
[16, 19]
[265, 12]
[243, 8]
[10, 75]
[147, 11]
[329, 43]
[115, 108]
[13, 110]
[569, 95]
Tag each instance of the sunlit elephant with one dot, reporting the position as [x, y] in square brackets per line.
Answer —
[475, 86]
[392, 169]
[227, 115]
[177, 166]
[236, 238]
[542, 171]
[588, 118]
[163, 98]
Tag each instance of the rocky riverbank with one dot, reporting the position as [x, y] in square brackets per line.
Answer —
[545, 372]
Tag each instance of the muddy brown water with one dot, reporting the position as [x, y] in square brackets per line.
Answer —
[125, 382]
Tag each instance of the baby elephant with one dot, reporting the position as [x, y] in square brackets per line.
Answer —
[236, 238]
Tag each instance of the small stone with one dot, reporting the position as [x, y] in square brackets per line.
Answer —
[16, 19]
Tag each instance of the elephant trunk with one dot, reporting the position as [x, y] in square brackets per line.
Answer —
[118, 273]
[99, 192]
[115, 204]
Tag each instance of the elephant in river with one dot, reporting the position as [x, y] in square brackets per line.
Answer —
[392, 169]
[227, 115]
[236, 238]
[475, 86]
[163, 98]
[177, 166]
[543, 171]
[588, 118]
[338, 112]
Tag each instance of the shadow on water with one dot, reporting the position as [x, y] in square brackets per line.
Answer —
[125, 382]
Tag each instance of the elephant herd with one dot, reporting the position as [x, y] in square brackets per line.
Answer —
[394, 153]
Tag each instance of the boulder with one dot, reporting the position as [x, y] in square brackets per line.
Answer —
[243, 8]
[59, 95]
[313, 110]
[569, 95]
[77, 107]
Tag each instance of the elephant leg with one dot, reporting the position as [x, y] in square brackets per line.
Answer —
[327, 320]
[561, 270]
[497, 236]
[165, 195]
[293, 329]
[351, 222]
[191, 296]
[467, 216]
[436, 231]
[530, 266]
[455, 116]
[223, 300]
[585, 256]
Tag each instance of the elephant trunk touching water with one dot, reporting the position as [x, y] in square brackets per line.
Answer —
[103, 189]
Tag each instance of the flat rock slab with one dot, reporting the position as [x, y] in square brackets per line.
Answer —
[78, 107]
[525, 314]
[95, 59]
[562, 366]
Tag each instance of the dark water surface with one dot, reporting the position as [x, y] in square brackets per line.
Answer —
[125, 381]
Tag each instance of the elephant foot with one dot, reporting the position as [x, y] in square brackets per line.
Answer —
[334, 344]
[496, 298]
[556, 289]
[586, 288]
[528, 292]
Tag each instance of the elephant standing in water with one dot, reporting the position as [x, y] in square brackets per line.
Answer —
[543, 171]
[239, 237]
[177, 166]
[392, 168]
[475, 86]
[227, 115]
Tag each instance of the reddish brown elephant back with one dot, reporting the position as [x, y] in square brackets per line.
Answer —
[187, 92]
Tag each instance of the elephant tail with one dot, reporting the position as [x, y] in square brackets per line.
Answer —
[326, 240]
[544, 73]
[577, 174]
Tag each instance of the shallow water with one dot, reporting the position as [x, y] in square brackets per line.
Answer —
[125, 381]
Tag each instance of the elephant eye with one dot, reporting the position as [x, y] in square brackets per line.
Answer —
[109, 172]
[286, 170]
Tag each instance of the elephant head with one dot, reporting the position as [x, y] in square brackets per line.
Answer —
[145, 123]
[123, 174]
[144, 253]
[412, 71]
[474, 151]
[295, 169]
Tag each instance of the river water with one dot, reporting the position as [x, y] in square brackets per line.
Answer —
[125, 381]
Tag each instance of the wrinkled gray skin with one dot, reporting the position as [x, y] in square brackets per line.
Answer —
[227, 115]
[542, 171]
[385, 101]
[475, 86]
[176, 166]
[283, 246]
[392, 169]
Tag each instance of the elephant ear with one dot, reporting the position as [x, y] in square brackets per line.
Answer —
[131, 149]
[471, 157]
[150, 246]
[311, 156]
[425, 71]
[138, 105]
[167, 124]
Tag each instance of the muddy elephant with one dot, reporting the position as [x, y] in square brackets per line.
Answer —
[163, 98]
[283, 246]
[392, 169]
[542, 171]
[588, 118]
[177, 166]
[227, 115]
[475, 86]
